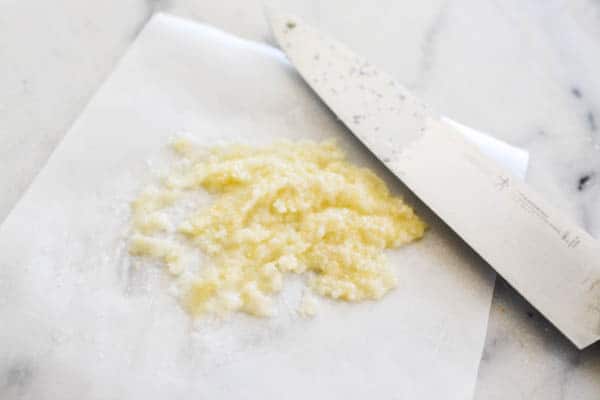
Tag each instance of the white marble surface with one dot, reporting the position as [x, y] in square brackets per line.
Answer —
[523, 70]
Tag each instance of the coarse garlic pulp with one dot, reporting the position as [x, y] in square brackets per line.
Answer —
[289, 208]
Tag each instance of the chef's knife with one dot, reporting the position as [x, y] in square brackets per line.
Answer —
[554, 264]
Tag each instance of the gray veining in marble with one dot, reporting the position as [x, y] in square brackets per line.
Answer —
[523, 70]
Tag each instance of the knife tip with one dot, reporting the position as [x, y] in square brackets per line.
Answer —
[278, 21]
[271, 13]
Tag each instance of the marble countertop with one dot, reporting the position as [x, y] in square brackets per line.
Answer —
[524, 71]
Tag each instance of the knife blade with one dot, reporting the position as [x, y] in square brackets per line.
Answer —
[553, 263]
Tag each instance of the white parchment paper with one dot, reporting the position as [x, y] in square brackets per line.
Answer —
[79, 322]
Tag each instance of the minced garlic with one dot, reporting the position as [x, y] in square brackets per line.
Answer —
[288, 208]
[308, 305]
